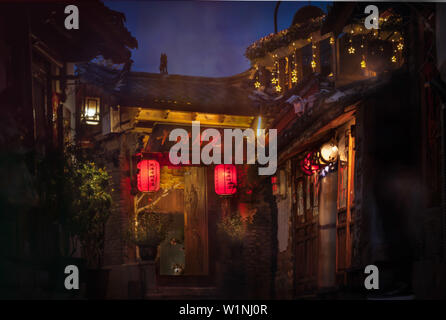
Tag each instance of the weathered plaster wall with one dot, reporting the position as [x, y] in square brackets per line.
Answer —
[327, 232]
[285, 266]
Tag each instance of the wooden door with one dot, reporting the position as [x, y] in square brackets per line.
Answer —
[306, 234]
[196, 222]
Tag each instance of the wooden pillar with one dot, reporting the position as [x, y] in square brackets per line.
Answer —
[350, 194]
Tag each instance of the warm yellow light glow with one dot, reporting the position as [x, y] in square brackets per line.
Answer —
[363, 64]
[331, 40]
[274, 80]
[313, 64]
[278, 88]
[257, 84]
[91, 111]
[294, 76]
[400, 46]
[393, 59]
[351, 50]
[329, 152]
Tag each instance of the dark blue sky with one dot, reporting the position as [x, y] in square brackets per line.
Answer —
[200, 38]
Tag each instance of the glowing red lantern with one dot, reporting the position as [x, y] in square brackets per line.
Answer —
[148, 175]
[310, 164]
[225, 177]
[274, 183]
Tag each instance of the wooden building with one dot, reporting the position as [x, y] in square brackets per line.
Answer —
[137, 114]
[38, 103]
[351, 187]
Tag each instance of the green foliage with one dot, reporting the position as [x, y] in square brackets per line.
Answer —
[150, 230]
[88, 189]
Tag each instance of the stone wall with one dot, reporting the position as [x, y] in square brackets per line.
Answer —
[260, 245]
[115, 153]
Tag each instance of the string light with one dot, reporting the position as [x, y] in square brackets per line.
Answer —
[294, 76]
[393, 59]
[331, 40]
[313, 60]
[351, 49]
[313, 64]
[275, 78]
[257, 83]
[363, 64]
[400, 46]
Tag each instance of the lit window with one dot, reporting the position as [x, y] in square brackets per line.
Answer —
[91, 110]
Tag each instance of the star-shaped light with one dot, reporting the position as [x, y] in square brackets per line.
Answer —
[351, 50]
[257, 84]
[294, 76]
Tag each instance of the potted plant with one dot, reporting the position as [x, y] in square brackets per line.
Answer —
[90, 210]
[149, 231]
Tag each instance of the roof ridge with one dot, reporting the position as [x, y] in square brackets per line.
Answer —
[142, 74]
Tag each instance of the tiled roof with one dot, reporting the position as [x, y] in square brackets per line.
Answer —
[230, 95]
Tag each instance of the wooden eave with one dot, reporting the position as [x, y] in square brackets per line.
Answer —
[146, 118]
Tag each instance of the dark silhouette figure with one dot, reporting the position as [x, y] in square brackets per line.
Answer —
[163, 63]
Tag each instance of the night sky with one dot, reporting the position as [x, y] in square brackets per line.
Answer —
[200, 38]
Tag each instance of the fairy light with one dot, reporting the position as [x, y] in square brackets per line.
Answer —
[400, 46]
[313, 64]
[313, 54]
[363, 64]
[393, 59]
[275, 78]
[332, 40]
[257, 83]
[294, 76]
[351, 49]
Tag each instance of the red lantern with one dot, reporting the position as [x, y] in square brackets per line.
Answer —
[225, 177]
[310, 164]
[274, 183]
[148, 175]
